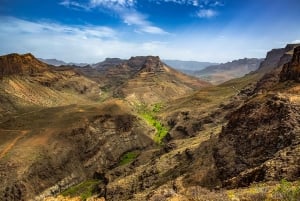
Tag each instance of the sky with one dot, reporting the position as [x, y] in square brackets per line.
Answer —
[200, 30]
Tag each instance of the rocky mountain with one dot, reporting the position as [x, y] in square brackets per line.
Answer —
[154, 81]
[26, 81]
[141, 79]
[158, 135]
[14, 64]
[226, 71]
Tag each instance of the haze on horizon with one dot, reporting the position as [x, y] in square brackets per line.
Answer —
[202, 30]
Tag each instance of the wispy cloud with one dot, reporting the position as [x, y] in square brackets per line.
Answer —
[139, 20]
[125, 9]
[112, 3]
[207, 13]
[75, 5]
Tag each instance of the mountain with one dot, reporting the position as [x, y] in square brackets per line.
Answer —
[226, 71]
[14, 64]
[152, 133]
[56, 62]
[189, 66]
[154, 81]
[141, 79]
[26, 81]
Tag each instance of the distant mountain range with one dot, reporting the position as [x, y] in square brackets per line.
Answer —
[188, 66]
[56, 62]
[217, 74]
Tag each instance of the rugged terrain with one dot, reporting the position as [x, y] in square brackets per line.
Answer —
[143, 131]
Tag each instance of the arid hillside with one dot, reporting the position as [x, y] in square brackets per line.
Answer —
[139, 130]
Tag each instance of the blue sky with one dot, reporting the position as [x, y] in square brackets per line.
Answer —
[202, 30]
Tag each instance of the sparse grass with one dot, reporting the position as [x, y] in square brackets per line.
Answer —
[85, 189]
[128, 158]
[288, 191]
[161, 131]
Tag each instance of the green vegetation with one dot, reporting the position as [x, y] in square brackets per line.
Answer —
[288, 191]
[128, 158]
[157, 107]
[149, 117]
[85, 189]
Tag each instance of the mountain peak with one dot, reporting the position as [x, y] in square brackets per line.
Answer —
[16, 64]
[152, 64]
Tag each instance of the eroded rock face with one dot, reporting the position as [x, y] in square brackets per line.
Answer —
[291, 70]
[255, 134]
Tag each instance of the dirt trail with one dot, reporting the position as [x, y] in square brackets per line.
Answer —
[12, 144]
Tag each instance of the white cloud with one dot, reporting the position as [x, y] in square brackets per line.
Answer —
[111, 3]
[70, 43]
[124, 9]
[74, 5]
[153, 30]
[296, 41]
[137, 19]
[206, 13]
[92, 44]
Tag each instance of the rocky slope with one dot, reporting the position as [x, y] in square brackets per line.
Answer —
[80, 143]
[261, 139]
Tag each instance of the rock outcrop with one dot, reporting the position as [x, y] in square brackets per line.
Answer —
[291, 70]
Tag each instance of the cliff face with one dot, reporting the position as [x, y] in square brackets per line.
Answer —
[272, 66]
[15, 64]
[291, 70]
[271, 61]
